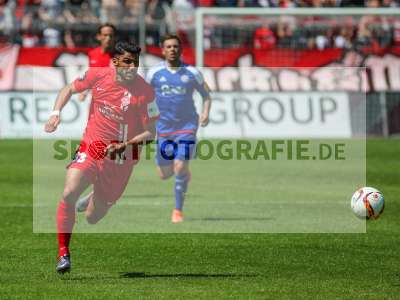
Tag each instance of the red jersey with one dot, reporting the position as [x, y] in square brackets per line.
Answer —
[98, 58]
[117, 112]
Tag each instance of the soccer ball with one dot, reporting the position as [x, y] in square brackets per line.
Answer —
[367, 203]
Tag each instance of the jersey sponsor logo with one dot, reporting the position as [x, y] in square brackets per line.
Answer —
[99, 89]
[152, 109]
[109, 113]
[167, 90]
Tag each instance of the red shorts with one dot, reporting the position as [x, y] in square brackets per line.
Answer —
[109, 177]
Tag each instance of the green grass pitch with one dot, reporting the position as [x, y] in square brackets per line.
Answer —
[199, 266]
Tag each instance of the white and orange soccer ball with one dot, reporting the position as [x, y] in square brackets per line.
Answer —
[367, 203]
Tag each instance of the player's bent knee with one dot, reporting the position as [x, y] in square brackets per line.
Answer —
[164, 176]
[165, 173]
[95, 217]
[180, 169]
[95, 212]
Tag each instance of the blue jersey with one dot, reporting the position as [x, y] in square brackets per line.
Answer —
[174, 97]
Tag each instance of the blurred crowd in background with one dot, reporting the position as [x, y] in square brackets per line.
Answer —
[73, 23]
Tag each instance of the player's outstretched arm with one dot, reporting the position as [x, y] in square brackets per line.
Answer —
[62, 98]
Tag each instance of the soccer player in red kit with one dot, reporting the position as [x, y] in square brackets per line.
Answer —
[123, 115]
[101, 56]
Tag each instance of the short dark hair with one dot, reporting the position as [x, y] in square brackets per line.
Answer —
[106, 25]
[122, 46]
[170, 36]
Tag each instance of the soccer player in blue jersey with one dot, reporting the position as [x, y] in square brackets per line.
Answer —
[174, 83]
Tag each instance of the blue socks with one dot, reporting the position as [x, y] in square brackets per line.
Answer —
[181, 183]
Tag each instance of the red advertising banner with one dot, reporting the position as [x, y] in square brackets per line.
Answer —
[287, 69]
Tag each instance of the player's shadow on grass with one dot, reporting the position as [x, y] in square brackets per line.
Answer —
[216, 219]
[143, 275]
[182, 275]
[154, 196]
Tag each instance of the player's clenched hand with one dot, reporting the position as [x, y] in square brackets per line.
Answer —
[52, 124]
[115, 148]
[204, 119]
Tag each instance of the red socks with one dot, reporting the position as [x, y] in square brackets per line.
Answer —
[65, 224]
